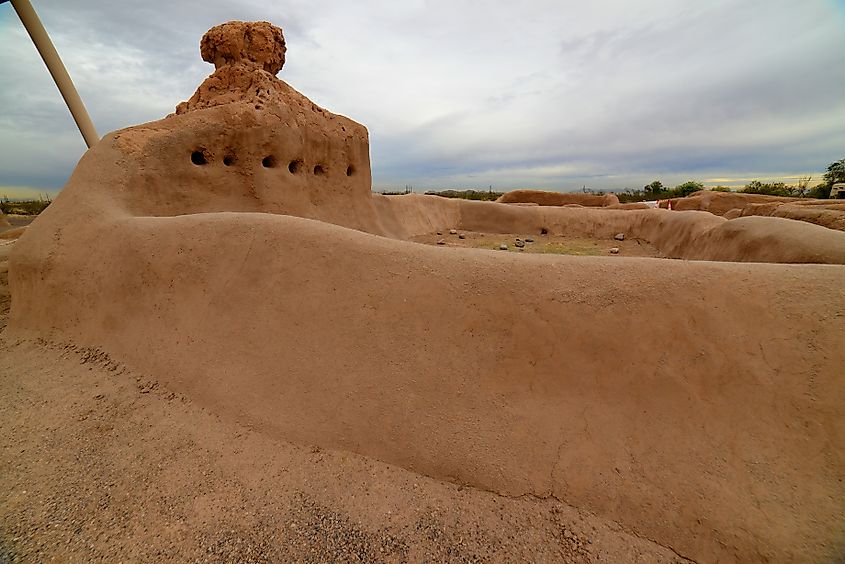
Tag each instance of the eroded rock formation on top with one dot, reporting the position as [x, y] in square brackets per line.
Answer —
[258, 43]
[246, 57]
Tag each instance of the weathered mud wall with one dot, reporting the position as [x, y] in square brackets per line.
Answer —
[696, 403]
[444, 362]
[826, 213]
[544, 198]
[719, 203]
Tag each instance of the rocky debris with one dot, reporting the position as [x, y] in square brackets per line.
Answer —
[503, 247]
[453, 232]
[614, 250]
[441, 242]
[619, 236]
[519, 243]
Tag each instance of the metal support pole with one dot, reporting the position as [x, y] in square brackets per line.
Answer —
[57, 69]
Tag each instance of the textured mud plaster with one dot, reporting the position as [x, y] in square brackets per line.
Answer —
[235, 251]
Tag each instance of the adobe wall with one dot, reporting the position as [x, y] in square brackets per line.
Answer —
[544, 198]
[695, 403]
[246, 141]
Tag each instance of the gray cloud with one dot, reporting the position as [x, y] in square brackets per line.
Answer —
[468, 93]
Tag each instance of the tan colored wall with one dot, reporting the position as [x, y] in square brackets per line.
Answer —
[730, 205]
[683, 235]
[695, 403]
[449, 362]
[720, 203]
[165, 180]
[543, 198]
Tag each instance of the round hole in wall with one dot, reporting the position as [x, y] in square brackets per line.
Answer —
[319, 170]
[229, 160]
[294, 166]
[350, 170]
[269, 161]
[198, 158]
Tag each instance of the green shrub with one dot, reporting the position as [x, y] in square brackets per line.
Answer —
[28, 207]
[486, 195]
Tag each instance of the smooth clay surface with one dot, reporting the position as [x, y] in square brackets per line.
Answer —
[235, 252]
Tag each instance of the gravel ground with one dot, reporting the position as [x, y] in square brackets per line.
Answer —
[542, 244]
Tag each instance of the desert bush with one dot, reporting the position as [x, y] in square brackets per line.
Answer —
[27, 207]
[772, 189]
[657, 191]
[687, 188]
[835, 173]
[486, 195]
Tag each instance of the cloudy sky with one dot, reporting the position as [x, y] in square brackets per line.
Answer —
[460, 93]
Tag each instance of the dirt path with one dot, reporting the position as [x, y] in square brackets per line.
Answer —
[98, 463]
[543, 244]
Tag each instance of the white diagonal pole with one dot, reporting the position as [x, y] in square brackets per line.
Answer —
[57, 69]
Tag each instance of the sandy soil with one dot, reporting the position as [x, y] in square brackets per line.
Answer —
[98, 463]
[542, 244]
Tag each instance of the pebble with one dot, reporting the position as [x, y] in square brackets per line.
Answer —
[453, 232]
[619, 236]
[519, 243]
[503, 247]
[462, 236]
[614, 251]
[441, 242]
[529, 240]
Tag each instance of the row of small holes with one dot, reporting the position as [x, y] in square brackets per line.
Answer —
[199, 158]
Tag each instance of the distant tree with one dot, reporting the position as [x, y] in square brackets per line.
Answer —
[771, 189]
[820, 191]
[655, 187]
[835, 172]
[688, 188]
[488, 195]
[803, 182]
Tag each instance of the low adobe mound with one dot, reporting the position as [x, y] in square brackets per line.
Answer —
[719, 203]
[12, 233]
[544, 198]
[820, 212]
[826, 213]
[235, 251]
